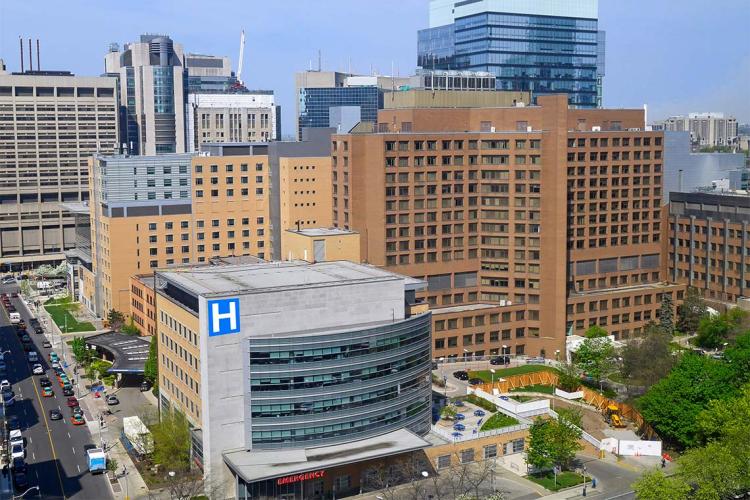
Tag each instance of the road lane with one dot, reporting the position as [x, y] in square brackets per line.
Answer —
[62, 451]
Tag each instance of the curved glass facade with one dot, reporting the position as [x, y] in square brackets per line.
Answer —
[340, 387]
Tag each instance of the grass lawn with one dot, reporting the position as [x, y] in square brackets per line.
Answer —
[486, 375]
[498, 421]
[60, 300]
[59, 314]
[564, 480]
[546, 389]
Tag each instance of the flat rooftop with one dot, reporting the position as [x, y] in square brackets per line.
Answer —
[322, 231]
[267, 276]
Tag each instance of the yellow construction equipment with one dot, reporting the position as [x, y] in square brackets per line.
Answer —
[613, 416]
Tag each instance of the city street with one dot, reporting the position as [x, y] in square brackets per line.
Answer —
[56, 450]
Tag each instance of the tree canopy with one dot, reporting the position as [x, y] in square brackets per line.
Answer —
[691, 311]
[666, 314]
[552, 443]
[595, 331]
[647, 360]
[596, 357]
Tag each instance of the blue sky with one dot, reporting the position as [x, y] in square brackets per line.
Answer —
[676, 55]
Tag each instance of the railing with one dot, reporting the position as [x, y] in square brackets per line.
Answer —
[478, 435]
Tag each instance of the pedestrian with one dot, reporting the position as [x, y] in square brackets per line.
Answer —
[663, 462]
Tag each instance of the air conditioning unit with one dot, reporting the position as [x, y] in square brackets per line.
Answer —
[596, 129]
[529, 128]
[492, 129]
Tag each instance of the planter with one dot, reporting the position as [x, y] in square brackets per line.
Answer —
[568, 395]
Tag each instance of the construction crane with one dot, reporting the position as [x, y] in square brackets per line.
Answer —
[242, 55]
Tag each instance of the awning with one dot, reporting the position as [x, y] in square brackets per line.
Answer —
[258, 465]
[129, 352]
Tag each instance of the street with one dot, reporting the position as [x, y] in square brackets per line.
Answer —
[56, 450]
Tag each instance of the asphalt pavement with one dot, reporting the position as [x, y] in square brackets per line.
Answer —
[56, 450]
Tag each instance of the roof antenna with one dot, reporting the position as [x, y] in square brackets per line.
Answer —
[38, 66]
[31, 57]
[20, 42]
[319, 60]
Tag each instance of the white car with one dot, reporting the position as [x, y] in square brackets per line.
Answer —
[4, 384]
[37, 369]
[16, 437]
[17, 451]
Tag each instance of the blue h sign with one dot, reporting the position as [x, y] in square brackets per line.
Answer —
[223, 316]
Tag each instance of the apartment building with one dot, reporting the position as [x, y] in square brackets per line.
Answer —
[706, 129]
[527, 222]
[253, 354]
[708, 244]
[50, 123]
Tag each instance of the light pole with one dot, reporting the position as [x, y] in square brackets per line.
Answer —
[557, 355]
[466, 366]
[492, 370]
[24, 493]
[127, 486]
[506, 358]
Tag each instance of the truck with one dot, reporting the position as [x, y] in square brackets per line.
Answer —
[15, 317]
[96, 460]
[137, 436]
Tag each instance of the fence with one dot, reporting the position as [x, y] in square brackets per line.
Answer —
[479, 435]
[593, 398]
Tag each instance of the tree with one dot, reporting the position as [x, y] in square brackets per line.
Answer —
[448, 412]
[724, 328]
[171, 437]
[131, 328]
[672, 405]
[552, 443]
[568, 380]
[83, 355]
[151, 367]
[666, 314]
[595, 331]
[648, 359]
[691, 311]
[655, 485]
[596, 358]
[115, 319]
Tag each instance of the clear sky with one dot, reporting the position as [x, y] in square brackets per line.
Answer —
[678, 56]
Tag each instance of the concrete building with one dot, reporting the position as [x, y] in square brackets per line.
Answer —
[706, 129]
[538, 46]
[526, 222]
[50, 123]
[708, 244]
[320, 245]
[308, 367]
[209, 74]
[686, 171]
[151, 75]
[154, 212]
[423, 98]
[232, 117]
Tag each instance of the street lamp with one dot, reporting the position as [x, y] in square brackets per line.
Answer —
[557, 355]
[506, 357]
[466, 351]
[127, 486]
[492, 370]
[24, 493]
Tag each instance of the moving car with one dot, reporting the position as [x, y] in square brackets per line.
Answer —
[37, 369]
[44, 382]
[47, 392]
[76, 410]
[461, 375]
[72, 401]
[33, 358]
[55, 414]
[8, 280]
[112, 400]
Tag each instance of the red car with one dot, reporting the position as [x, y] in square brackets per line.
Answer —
[72, 401]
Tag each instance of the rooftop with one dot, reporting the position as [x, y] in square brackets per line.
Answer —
[322, 231]
[257, 465]
[129, 352]
[266, 276]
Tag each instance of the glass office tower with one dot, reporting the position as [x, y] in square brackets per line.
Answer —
[314, 104]
[540, 46]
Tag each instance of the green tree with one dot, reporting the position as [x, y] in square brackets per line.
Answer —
[672, 405]
[552, 442]
[738, 356]
[115, 319]
[691, 311]
[568, 380]
[595, 331]
[666, 314]
[78, 346]
[448, 412]
[171, 437]
[654, 485]
[131, 328]
[713, 331]
[648, 359]
[596, 358]
[151, 367]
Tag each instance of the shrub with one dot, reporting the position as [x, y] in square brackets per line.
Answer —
[482, 403]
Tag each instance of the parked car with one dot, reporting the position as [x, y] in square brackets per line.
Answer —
[3, 367]
[72, 401]
[76, 410]
[45, 382]
[20, 481]
[461, 375]
[46, 344]
[47, 392]
[112, 400]
[18, 465]
[39, 330]
[145, 385]
[9, 398]
[500, 360]
[37, 369]
[55, 414]
[17, 451]
[3, 384]
[67, 391]
[14, 295]
[13, 423]
[77, 419]
[475, 381]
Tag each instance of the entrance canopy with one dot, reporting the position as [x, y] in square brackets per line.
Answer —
[129, 352]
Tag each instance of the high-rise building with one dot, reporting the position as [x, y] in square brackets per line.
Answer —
[232, 117]
[50, 123]
[708, 244]
[706, 129]
[209, 74]
[290, 371]
[154, 212]
[151, 76]
[540, 46]
[528, 223]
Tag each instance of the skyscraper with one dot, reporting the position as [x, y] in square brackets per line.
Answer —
[543, 46]
[152, 97]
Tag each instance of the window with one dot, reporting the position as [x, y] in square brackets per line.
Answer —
[490, 451]
[467, 456]
[443, 461]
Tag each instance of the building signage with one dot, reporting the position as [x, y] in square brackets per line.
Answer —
[296, 478]
[223, 316]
